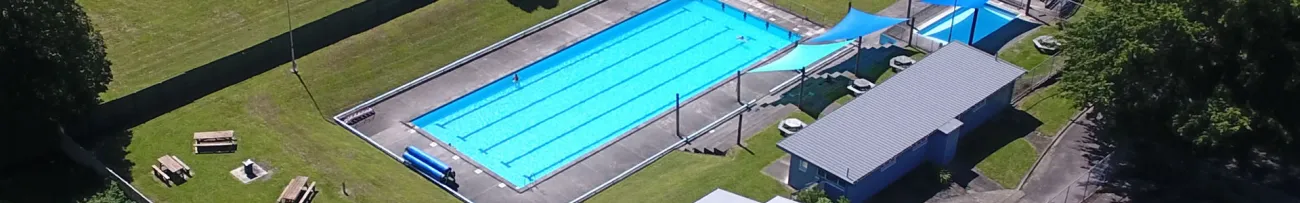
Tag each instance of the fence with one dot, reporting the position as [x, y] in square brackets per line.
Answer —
[808, 14]
[1067, 11]
[1084, 186]
[87, 159]
[1038, 75]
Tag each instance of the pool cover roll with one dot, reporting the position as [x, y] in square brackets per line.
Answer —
[423, 168]
[435, 163]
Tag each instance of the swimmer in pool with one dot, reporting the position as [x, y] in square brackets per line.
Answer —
[741, 38]
[516, 80]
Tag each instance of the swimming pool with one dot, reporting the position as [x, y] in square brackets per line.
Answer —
[524, 126]
[991, 18]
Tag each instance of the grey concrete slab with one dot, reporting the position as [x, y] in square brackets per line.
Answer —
[779, 169]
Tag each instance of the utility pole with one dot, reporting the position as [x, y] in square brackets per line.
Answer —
[293, 62]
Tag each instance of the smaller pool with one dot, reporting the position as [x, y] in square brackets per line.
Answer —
[990, 19]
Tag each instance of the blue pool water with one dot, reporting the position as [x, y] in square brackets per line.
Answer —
[580, 98]
[990, 19]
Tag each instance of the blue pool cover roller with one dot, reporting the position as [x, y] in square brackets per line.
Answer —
[855, 24]
[423, 168]
[442, 167]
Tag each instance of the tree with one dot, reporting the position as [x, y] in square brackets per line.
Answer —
[815, 194]
[1215, 80]
[54, 68]
[810, 194]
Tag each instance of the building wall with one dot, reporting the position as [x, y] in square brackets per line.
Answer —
[872, 183]
[937, 147]
[801, 177]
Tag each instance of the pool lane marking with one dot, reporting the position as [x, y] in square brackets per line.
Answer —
[661, 84]
[548, 74]
[643, 71]
[490, 124]
[466, 135]
[598, 141]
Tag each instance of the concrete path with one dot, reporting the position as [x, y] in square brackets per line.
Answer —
[1063, 172]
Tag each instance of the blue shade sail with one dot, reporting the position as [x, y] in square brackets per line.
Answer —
[856, 24]
[802, 56]
[960, 3]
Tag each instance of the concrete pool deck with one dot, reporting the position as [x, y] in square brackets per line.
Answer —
[388, 130]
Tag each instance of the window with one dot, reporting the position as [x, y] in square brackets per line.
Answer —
[803, 165]
[918, 144]
[830, 179]
[887, 164]
[977, 106]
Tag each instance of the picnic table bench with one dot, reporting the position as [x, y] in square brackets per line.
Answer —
[215, 141]
[298, 191]
[170, 168]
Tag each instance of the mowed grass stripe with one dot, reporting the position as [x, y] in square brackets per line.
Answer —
[277, 124]
[152, 40]
[411, 48]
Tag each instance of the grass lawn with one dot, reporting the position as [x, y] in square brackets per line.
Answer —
[152, 40]
[1023, 53]
[1050, 107]
[685, 177]
[278, 126]
[1010, 163]
[830, 12]
[844, 99]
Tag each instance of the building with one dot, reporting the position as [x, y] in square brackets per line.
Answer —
[918, 115]
[723, 196]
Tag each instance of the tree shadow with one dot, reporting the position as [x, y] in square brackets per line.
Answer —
[820, 89]
[918, 185]
[533, 5]
[1152, 168]
[1003, 129]
[112, 150]
[1003, 35]
[49, 176]
[149, 103]
[1165, 171]
[813, 95]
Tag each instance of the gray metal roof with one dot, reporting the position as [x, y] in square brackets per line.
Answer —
[723, 196]
[870, 130]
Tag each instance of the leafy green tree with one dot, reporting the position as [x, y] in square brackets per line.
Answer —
[111, 194]
[810, 194]
[52, 69]
[1212, 80]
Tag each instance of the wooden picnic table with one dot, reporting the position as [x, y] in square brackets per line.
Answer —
[214, 141]
[297, 190]
[173, 164]
[214, 136]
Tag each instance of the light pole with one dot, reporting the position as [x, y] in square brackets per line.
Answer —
[293, 62]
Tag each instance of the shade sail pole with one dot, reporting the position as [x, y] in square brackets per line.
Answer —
[952, 18]
[910, 23]
[974, 20]
[857, 64]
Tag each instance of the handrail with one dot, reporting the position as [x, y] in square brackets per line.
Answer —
[692, 136]
[453, 65]
[803, 15]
